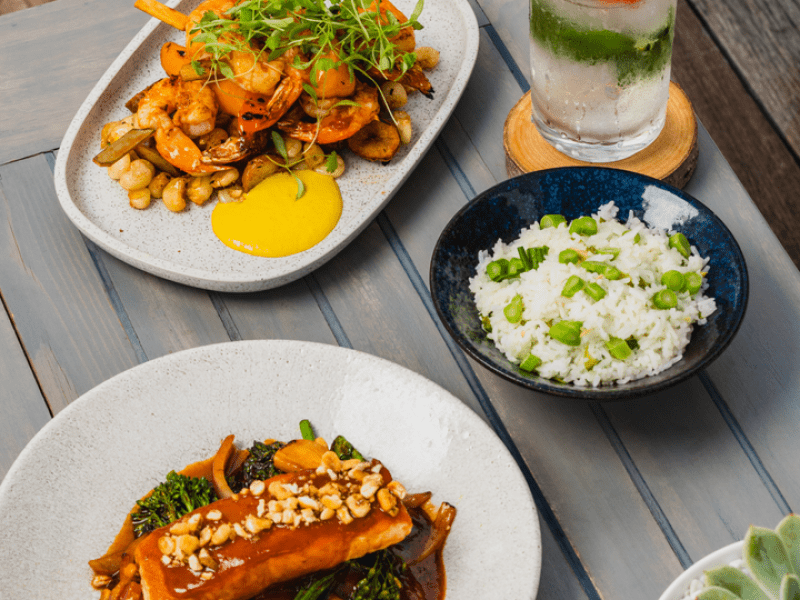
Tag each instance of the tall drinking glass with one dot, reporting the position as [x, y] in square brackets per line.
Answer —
[600, 74]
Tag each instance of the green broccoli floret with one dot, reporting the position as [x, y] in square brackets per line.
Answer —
[170, 500]
[258, 465]
[344, 449]
[382, 579]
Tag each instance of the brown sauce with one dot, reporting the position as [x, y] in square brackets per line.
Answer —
[422, 581]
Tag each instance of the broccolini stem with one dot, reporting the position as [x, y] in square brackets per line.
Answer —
[306, 430]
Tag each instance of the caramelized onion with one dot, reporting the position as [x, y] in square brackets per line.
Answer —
[439, 532]
[417, 500]
[221, 458]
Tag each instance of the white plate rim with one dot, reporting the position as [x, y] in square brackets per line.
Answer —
[525, 527]
[310, 259]
[679, 588]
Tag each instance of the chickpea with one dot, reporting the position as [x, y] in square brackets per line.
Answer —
[395, 94]
[293, 147]
[174, 194]
[313, 155]
[233, 193]
[338, 172]
[138, 176]
[116, 170]
[427, 57]
[222, 179]
[403, 120]
[139, 199]
[157, 184]
[199, 189]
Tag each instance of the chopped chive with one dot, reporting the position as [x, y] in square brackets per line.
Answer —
[568, 256]
[552, 221]
[567, 332]
[618, 348]
[573, 285]
[681, 244]
[530, 363]
[594, 291]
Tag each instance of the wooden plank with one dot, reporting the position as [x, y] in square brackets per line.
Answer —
[381, 313]
[766, 167]
[44, 56]
[165, 316]
[23, 410]
[71, 333]
[760, 38]
[684, 450]
[9, 6]
[289, 312]
[759, 375]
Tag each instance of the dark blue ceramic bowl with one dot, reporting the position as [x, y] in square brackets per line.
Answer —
[503, 211]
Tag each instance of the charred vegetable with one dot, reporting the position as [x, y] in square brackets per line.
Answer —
[258, 465]
[344, 449]
[382, 578]
[170, 500]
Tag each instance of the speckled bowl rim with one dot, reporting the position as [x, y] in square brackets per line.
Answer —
[633, 389]
[265, 275]
[679, 589]
[188, 401]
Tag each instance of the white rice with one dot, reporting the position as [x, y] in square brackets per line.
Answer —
[625, 311]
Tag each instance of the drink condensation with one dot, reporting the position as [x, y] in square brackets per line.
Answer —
[601, 72]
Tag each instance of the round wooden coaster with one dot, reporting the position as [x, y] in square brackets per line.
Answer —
[672, 158]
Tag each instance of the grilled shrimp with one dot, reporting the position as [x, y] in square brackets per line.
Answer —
[195, 112]
[339, 123]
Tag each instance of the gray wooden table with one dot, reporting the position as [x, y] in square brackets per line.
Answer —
[629, 494]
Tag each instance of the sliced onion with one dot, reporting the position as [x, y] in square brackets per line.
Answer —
[417, 500]
[439, 532]
[218, 468]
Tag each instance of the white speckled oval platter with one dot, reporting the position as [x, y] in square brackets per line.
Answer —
[182, 247]
[65, 497]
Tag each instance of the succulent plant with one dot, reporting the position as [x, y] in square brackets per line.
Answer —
[772, 559]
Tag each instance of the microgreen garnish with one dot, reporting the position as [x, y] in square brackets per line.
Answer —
[322, 29]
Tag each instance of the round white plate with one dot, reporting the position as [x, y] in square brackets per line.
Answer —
[681, 588]
[67, 494]
[182, 247]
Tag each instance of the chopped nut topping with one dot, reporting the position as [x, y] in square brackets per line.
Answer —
[354, 487]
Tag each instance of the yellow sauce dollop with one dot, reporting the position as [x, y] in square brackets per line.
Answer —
[271, 221]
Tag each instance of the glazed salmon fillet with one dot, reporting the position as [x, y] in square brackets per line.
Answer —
[277, 530]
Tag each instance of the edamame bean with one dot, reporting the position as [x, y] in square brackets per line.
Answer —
[594, 291]
[513, 310]
[573, 285]
[568, 256]
[681, 244]
[665, 299]
[530, 363]
[552, 221]
[618, 348]
[567, 332]
[594, 266]
[674, 280]
[583, 226]
[609, 250]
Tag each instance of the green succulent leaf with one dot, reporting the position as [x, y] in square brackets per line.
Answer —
[716, 593]
[736, 582]
[789, 531]
[790, 587]
[767, 558]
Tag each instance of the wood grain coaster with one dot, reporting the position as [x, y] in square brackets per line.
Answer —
[672, 157]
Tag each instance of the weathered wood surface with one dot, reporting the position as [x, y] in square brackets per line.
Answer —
[628, 494]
